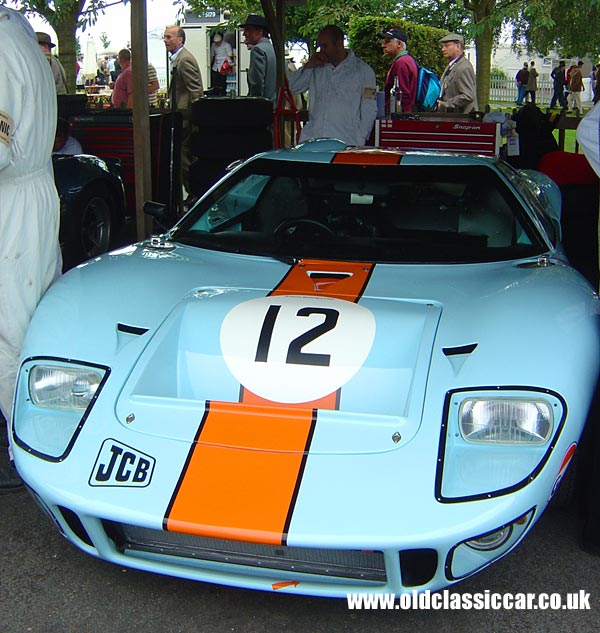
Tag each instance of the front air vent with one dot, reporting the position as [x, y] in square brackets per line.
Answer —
[131, 329]
[355, 564]
[418, 566]
[462, 349]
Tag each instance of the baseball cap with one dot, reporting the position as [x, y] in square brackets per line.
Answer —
[453, 37]
[394, 33]
[217, 38]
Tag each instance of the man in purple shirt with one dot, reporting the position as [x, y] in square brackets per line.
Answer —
[404, 67]
[122, 96]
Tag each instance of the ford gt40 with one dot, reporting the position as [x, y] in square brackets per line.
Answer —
[343, 370]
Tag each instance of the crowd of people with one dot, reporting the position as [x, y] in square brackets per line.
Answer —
[567, 85]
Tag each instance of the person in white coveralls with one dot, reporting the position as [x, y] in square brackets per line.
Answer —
[588, 137]
[30, 257]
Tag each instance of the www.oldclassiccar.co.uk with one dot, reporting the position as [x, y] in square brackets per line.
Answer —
[446, 599]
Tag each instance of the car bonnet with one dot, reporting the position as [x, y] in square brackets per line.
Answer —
[269, 361]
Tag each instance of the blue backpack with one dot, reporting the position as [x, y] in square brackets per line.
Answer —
[428, 89]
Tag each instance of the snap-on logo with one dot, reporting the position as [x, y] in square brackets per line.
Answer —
[465, 126]
[120, 465]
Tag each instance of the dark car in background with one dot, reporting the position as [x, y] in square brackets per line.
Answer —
[92, 205]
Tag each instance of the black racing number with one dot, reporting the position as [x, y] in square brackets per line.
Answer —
[295, 355]
[266, 332]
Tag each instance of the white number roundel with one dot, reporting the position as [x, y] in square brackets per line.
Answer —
[294, 349]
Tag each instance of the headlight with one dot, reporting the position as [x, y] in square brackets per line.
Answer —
[63, 388]
[53, 400]
[491, 541]
[505, 421]
[467, 557]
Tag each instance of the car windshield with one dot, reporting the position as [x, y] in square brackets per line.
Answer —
[381, 213]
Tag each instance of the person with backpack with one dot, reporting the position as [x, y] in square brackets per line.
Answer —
[459, 88]
[404, 67]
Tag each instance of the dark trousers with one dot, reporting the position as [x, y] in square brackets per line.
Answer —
[218, 82]
[558, 95]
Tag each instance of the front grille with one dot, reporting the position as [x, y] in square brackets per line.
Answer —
[356, 564]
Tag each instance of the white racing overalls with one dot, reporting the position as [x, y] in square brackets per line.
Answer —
[30, 257]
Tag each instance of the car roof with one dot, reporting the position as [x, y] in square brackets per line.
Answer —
[334, 151]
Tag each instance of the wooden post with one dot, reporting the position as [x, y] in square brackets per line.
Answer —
[276, 19]
[141, 115]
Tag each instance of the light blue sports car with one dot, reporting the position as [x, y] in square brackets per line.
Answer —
[343, 370]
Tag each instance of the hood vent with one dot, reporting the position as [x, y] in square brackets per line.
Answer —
[131, 329]
[458, 355]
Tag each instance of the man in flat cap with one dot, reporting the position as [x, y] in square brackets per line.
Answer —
[58, 72]
[459, 88]
[394, 44]
[262, 72]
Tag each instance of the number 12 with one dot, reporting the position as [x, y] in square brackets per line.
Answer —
[295, 355]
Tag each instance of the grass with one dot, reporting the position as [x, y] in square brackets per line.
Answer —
[569, 140]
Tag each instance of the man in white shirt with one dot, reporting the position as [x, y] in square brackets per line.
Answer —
[64, 143]
[220, 52]
[341, 91]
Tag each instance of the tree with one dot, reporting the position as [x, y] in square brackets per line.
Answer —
[446, 14]
[303, 22]
[478, 20]
[571, 26]
[65, 17]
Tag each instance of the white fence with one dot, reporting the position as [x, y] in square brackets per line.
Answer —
[505, 90]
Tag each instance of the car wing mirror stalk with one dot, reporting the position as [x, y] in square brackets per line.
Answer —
[160, 213]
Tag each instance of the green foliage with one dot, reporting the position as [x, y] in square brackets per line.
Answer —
[302, 23]
[323, 12]
[423, 43]
[105, 40]
[571, 26]
[497, 73]
[444, 14]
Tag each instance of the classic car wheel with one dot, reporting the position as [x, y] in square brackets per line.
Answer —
[94, 222]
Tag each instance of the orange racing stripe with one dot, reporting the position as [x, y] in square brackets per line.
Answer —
[244, 469]
[373, 157]
[241, 476]
[337, 280]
